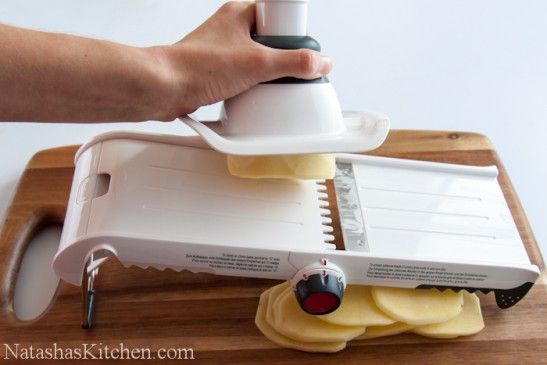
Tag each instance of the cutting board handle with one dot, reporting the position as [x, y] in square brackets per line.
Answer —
[17, 232]
[31, 210]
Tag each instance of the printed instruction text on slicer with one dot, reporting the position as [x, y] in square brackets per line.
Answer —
[419, 224]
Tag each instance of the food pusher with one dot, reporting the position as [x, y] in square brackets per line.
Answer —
[289, 115]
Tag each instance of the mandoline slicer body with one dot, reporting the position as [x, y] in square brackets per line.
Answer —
[169, 202]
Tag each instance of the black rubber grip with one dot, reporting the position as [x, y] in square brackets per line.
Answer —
[288, 43]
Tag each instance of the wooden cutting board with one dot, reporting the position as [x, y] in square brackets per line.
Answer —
[214, 314]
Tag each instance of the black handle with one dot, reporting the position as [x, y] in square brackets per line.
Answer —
[288, 43]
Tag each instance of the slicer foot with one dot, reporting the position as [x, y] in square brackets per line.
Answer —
[88, 311]
[505, 298]
[509, 297]
[88, 292]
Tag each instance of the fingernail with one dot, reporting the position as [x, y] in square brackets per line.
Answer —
[326, 65]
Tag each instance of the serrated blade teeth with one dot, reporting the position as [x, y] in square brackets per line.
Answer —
[323, 196]
[328, 237]
[321, 186]
[324, 212]
[326, 220]
[323, 204]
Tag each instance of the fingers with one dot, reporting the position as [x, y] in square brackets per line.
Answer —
[239, 10]
[300, 63]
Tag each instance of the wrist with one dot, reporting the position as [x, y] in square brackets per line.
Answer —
[172, 82]
[167, 88]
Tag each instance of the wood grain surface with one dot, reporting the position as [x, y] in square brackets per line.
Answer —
[214, 315]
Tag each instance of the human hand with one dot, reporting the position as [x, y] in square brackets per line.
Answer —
[219, 60]
[53, 77]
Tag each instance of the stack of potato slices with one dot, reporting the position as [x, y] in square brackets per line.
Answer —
[367, 312]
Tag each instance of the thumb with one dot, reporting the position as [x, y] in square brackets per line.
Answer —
[299, 63]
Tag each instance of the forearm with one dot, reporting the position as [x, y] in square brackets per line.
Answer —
[58, 77]
[63, 78]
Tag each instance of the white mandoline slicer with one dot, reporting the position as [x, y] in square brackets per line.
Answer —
[170, 202]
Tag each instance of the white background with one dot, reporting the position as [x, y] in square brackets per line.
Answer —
[469, 65]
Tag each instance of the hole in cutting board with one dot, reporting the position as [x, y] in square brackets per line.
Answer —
[36, 281]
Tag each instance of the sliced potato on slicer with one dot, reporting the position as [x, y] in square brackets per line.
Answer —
[291, 321]
[418, 306]
[382, 331]
[468, 322]
[358, 309]
[272, 335]
[305, 167]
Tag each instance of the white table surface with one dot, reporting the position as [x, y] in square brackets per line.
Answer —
[452, 65]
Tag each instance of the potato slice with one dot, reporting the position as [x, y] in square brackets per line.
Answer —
[468, 322]
[291, 321]
[272, 335]
[382, 331]
[418, 306]
[275, 292]
[358, 309]
[305, 167]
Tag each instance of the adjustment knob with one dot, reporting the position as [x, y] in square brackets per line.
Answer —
[319, 288]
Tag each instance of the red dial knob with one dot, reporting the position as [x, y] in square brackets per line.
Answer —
[319, 294]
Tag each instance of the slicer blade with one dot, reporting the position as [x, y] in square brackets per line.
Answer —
[349, 209]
